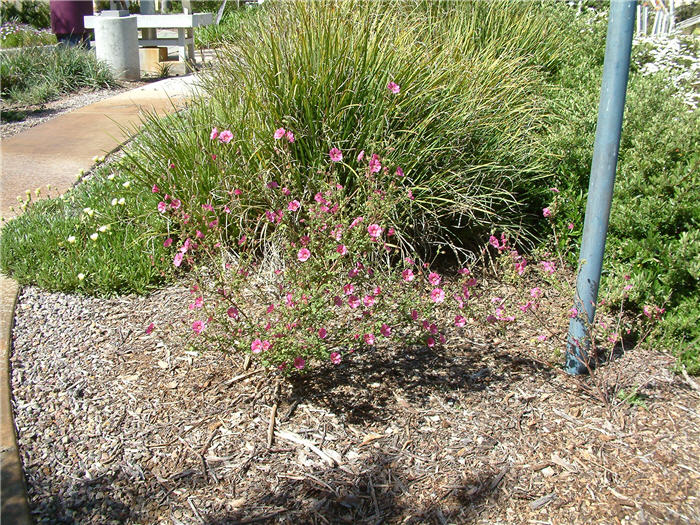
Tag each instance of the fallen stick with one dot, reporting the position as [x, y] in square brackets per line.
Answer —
[295, 438]
[273, 415]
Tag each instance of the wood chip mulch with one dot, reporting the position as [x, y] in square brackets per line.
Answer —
[118, 426]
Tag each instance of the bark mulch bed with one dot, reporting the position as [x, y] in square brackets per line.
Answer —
[117, 426]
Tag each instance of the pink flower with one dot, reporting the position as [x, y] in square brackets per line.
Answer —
[361, 156]
[232, 312]
[356, 221]
[335, 154]
[541, 337]
[175, 204]
[414, 315]
[335, 358]
[237, 192]
[369, 339]
[491, 319]
[199, 234]
[214, 133]
[303, 254]
[535, 292]
[186, 245]
[399, 172]
[374, 231]
[408, 275]
[393, 87]
[353, 301]
[548, 267]
[570, 226]
[162, 207]
[437, 295]
[286, 191]
[177, 261]
[256, 346]
[167, 242]
[337, 301]
[573, 312]
[199, 326]
[430, 341]
[434, 278]
[150, 328]
[525, 307]
[520, 266]
[279, 133]
[207, 207]
[299, 363]
[341, 249]
[377, 290]
[155, 189]
[374, 164]
[493, 241]
[294, 205]
[554, 190]
[348, 289]
[547, 212]
[385, 330]
[460, 320]
[304, 240]
[322, 333]
[290, 136]
[410, 195]
[198, 303]
[368, 301]
[226, 136]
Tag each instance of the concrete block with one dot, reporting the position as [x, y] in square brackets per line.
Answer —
[151, 58]
[117, 44]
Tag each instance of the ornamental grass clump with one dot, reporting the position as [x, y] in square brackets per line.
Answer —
[451, 94]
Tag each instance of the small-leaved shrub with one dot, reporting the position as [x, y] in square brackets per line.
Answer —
[92, 240]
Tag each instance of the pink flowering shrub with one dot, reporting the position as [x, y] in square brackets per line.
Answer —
[338, 282]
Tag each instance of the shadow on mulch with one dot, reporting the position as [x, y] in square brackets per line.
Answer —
[365, 385]
[377, 495]
[85, 500]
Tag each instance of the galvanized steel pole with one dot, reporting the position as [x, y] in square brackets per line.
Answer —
[600, 190]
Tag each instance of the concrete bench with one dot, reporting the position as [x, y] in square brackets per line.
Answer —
[183, 23]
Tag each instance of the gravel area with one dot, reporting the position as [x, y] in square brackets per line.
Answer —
[119, 426]
[44, 112]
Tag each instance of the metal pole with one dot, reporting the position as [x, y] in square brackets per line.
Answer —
[600, 190]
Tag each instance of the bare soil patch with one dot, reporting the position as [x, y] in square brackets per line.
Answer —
[118, 426]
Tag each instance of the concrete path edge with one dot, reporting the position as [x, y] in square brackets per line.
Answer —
[13, 491]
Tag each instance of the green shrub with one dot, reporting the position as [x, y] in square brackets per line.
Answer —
[463, 125]
[18, 35]
[655, 217]
[36, 75]
[227, 30]
[35, 13]
[50, 244]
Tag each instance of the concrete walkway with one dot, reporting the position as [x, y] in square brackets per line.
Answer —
[53, 153]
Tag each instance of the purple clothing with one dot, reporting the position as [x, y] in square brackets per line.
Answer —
[67, 16]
